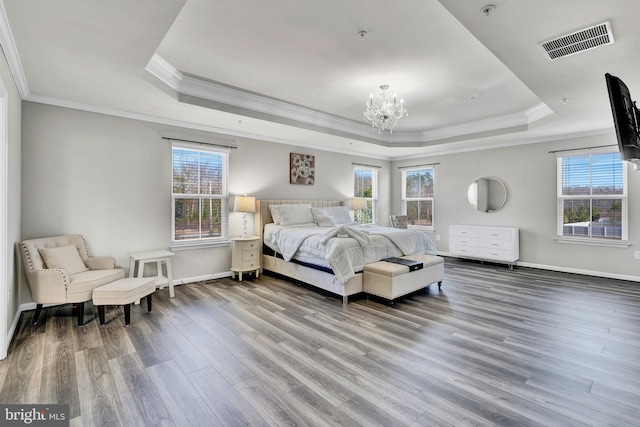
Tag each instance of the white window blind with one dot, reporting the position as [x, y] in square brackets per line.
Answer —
[592, 197]
[418, 196]
[199, 196]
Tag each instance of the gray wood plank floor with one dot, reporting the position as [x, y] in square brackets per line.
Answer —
[493, 347]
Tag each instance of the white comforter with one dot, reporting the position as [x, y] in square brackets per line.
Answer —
[345, 255]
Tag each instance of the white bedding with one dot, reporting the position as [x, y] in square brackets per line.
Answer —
[344, 255]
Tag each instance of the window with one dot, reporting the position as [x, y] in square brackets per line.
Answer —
[417, 196]
[365, 185]
[592, 198]
[200, 195]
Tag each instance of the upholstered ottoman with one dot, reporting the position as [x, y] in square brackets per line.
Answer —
[124, 292]
[390, 280]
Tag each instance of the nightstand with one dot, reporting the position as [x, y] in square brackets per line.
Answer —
[245, 255]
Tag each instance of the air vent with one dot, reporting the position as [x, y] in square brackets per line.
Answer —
[579, 41]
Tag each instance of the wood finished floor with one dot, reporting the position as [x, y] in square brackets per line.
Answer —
[494, 347]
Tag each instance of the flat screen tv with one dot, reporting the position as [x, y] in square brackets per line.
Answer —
[626, 119]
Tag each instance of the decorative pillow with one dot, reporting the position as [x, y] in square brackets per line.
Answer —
[339, 213]
[64, 257]
[399, 221]
[325, 220]
[291, 214]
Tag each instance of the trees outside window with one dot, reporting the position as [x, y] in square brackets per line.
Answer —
[418, 196]
[365, 185]
[199, 196]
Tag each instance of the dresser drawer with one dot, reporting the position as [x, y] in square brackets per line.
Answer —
[497, 254]
[495, 233]
[464, 250]
[492, 243]
[461, 230]
[495, 244]
[463, 241]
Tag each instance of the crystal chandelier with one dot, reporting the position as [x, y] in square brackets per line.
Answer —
[384, 113]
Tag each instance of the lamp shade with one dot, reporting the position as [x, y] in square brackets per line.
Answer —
[244, 204]
[358, 204]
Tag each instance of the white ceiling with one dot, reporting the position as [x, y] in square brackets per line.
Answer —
[298, 72]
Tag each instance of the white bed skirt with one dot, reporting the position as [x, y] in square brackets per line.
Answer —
[317, 278]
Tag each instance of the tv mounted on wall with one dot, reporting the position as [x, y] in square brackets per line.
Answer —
[626, 119]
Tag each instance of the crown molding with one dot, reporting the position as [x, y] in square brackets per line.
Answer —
[11, 53]
[464, 147]
[258, 106]
[186, 125]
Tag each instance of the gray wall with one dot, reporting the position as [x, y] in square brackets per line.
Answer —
[529, 173]
[13, 192]
[109, 179]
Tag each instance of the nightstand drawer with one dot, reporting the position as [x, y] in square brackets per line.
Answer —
[249, 255]
[249, 245]
[250, 265]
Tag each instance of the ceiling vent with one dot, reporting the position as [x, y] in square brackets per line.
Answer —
[578, 41]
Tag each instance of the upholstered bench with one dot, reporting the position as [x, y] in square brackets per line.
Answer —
[124, 292]
[390, 280]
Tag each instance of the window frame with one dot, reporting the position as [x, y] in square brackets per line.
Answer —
[560, 199]
[372, 202]
[200, 241]
[406, 200]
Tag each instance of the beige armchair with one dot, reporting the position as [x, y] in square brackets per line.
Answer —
[59, 270]
[398, 221]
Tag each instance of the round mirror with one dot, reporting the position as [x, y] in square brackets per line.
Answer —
[487, 194]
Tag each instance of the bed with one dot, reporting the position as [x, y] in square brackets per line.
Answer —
[318, 244]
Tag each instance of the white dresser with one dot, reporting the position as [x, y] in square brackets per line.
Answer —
[498, 244]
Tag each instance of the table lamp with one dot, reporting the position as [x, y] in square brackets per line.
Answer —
[358, 204]
[244, 204]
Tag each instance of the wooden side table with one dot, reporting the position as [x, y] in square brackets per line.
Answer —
[139, 259]
[245, 255]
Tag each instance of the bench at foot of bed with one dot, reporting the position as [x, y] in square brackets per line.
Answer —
[390, 280]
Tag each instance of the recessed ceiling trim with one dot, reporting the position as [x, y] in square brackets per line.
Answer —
[261, 105]
[578, 41]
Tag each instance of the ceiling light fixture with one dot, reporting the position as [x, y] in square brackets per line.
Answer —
[384, 113]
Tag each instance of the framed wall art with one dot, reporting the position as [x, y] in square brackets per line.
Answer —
[302, 169]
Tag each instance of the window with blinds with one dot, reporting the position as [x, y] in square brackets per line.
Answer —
[418, 196]
[592, 197]
[199, 195]
[365, 185]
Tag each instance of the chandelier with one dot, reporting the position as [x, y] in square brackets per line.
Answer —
[384, 113]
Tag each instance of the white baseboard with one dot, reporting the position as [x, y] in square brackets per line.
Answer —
[561, 269]
[580, 271]
[202, 278]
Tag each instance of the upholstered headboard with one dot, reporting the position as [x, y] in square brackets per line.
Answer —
[263, 214]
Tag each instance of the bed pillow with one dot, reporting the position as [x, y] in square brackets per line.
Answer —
[291, 214]
[64, 257]
[339, 213]
[324, 220]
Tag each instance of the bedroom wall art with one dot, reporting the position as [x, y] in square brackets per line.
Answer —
[302, 169]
